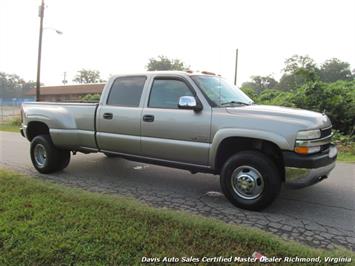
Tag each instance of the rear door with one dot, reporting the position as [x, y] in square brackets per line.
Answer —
[174, 134]
[119, 118]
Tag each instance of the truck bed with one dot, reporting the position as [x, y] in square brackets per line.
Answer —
[70, 124]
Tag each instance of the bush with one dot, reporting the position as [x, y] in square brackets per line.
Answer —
[340, 138]
[276, 97]
[91, 98]
[336, 99]
[345, 143]
[250, 92]
[15, 122]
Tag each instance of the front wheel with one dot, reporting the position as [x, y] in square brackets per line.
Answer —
[250, 180]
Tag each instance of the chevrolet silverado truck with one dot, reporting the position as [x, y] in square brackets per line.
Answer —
[193, 121]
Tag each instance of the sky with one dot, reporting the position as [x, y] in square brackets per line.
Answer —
[115, 36]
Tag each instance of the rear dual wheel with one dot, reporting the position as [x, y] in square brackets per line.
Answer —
[47, 158]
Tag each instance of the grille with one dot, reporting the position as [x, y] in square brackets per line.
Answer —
[325, 132]
[325, 147]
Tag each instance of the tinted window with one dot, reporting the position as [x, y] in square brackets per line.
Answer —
[165, 93]
[126, 91]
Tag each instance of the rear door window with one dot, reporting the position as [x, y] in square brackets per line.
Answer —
[126, 91]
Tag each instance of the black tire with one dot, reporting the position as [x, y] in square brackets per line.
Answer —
[63, 159]
[53, 159]
[110, 155]
[243, 165]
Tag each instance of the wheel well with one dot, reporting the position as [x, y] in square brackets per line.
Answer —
[232, 145]
[36, 128]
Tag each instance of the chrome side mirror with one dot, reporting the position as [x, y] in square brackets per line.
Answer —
[189, 102]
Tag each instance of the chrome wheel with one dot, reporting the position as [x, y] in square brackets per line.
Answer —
[40, 155]
[247, 182]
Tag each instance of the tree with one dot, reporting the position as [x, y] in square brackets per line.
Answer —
[297, 63]
[290, 82]
[164, 63]
[260, 83]
[12, 85]
[334, 69]
[87, 76]
[298, 71]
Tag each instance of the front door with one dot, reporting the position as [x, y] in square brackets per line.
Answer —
[170, 133]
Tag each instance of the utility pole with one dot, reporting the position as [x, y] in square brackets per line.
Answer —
[236, 67]
[65, 78]
[38, 84]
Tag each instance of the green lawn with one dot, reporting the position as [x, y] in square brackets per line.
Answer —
[9, 128]
[346, 157]
[42, 223]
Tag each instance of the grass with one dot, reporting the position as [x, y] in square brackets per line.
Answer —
[43, 224]
[346, 151]
[9, 128]
[12, 125]
[347, 157]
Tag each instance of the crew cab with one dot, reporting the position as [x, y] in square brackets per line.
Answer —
[193, 121]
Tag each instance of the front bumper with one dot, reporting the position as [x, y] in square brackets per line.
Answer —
[302, 171]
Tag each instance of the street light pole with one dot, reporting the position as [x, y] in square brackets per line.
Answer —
[38, 84]
[236, 68]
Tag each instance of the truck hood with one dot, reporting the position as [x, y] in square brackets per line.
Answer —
[304, 118]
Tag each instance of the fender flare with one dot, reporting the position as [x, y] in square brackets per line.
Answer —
[225, 133]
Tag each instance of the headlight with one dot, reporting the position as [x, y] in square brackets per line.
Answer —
[308, 134]
[305, 141]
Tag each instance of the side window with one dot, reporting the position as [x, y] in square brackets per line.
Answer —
[126, 91]
[165, 93]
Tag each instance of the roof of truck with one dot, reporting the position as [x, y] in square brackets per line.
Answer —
[167, 72]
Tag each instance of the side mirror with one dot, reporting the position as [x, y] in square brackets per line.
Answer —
[190, 103]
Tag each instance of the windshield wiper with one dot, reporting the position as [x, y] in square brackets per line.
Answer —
[235, 102]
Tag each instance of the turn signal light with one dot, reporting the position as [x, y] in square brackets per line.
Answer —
[307, 150]
[301, 150]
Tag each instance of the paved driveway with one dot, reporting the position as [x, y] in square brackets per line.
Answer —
[322, 215]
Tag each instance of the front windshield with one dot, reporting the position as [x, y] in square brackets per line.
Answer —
[220, 92]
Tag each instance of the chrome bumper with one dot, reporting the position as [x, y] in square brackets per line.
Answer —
[302, 177]
[298, 177]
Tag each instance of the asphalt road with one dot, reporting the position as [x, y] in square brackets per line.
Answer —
[322, 215]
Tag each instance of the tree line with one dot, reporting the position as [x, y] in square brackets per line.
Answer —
[300, 70]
